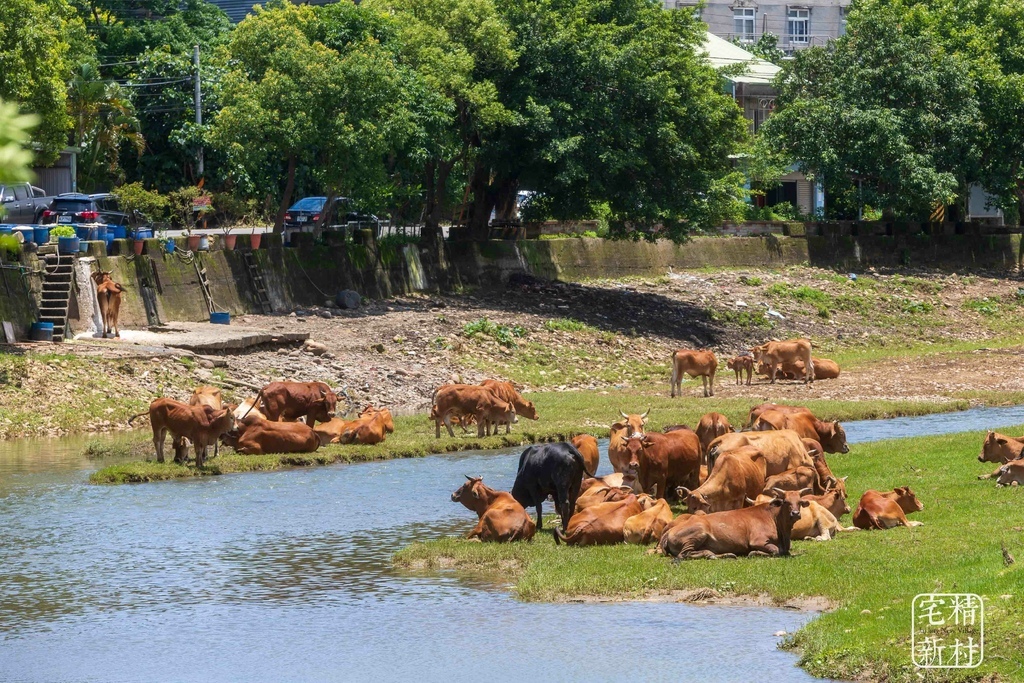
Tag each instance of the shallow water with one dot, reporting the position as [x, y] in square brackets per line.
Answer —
[286, 576]
[974, 419]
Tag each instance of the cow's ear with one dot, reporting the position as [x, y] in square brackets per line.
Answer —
[1002, 442]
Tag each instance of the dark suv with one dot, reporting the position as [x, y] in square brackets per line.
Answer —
[306, 212]
[73, 208]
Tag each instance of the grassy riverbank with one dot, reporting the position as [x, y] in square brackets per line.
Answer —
[871, 576]
[563, 414]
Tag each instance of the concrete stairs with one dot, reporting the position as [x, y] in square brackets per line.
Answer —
[57, 287]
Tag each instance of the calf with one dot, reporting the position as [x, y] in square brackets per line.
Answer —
[877, 510]
[665, 461]
[290, 401]
[832, 500]
[759, 530]
[587, 446]
[739, 475]
[710, 427]
[469, 399]
[204, 395]
[501, 519]
[629, 426]
[830, 435]
[201, 425]
[739, 365]
[264, 436]
[1001, 449]
[825, 368]
[554, 469]
[647, 526]
[1011, 474]
[602, 524]
[816, 523]
[506, 392]
[701, 364]
[775, 353]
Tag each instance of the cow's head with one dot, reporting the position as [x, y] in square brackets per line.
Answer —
[834, 500]
[834, 438]
[999, 448]
[907, 500]
[634, 423]
[1011, 474]
[787, 505]
[527, 410]
[646, 501]
[695, 500]
[471, 494]
[389, 421]
[101, 276]
[505, 411]
[635, 446]
[325, 405]
[757, 351]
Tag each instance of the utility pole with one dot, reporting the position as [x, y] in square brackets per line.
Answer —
[198, 101]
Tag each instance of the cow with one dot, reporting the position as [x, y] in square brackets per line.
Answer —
[825, 368]
[756, 411]
[783, 450]
[248, 407]
[506, 392]
[554, 469]
[1011, 474]
[108, 296]
[201, 425]
[710, 427]
[204, 395]
[795, 479]
[370, 428]
[877, 510]
[783, 371]
[665, 461]
[1001, 449]
[825, 475]
[619, 479]
[833, 500]
[816, 523]
[739, 475]
[629, 426]
[648, 526]
[602, 524]
[600, 494]
[830, 435]
[587, 446]
[501, 519]
[758, 530]
[775, 353]
[739, 365]
[701, 364]
[291, 401]
[266, 436]
[469, 399]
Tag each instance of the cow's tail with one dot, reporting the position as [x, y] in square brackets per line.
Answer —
[135, 417]
[559, 536]
[255, 402]
[581, 461]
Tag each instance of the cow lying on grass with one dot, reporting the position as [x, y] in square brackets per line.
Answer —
[604, 523]
[259, 437]
[877, 510]
[1000, 448]
[501, 518]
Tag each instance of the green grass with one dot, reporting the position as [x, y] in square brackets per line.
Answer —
[505, 335]
[563, 415]
[567, 325]
[957, 550]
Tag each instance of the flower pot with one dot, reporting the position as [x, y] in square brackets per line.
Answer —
[67, 245]
[255, 239]
[40, 235]
[193, 242]
[229, 241]
[170, 246]
[138, 244]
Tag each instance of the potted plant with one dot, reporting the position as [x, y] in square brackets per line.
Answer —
[68, 241]
[141, 206]
[255, 238]
[189, 207]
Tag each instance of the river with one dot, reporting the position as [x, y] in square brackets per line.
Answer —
[286, 576]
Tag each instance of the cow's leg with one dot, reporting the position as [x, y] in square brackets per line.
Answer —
[158, 443]
[750, 372]
[991, 476]
[765, 550]
[540, 514]
[448, 424]
[508, 427]
[772, 369]
[437, 428]
[711, 382]
[200, 454]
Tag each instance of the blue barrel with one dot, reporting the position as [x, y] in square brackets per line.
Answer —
[40, 234]
[6, 229]
[101, 233]
[143, 234]
[82, 231]
[26, 233]
[118, 231]
[109, 239]
[67, 245]
[170, 246]
[220, 318]
[42, 332]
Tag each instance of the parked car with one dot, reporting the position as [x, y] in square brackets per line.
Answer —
[306, 212]
[72, 208]
[23, 203]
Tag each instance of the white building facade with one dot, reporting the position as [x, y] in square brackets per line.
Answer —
[797, 25]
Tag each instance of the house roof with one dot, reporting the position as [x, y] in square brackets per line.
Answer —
[721, 52]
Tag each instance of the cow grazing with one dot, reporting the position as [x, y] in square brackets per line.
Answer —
[701, 364]
[759, 530]
[739, 365]
[830, 435]
[629, 426]
[776, 353]
[816, 523]
[501, 518]
[469, 399]
[370, 428]
[783, 450]
[739, 475]
[795, 479]
[554, 469]
[506, 392]
[649, 525]
[877, 510]
[201, 425]
[1011, 474]
[1001, 449]
[665, 461]
[602, 524]
[710, 427]
[290, 401]
[108, 296]
[587, 446]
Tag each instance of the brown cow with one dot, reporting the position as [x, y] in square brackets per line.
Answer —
[756, 411]
[832, 500]
[825, 368]
[784, 371]
[710, 427]
[587, 446]
[595, 495]
[701, 364]
[816, 523]
[629, 426]
[204, 395]
[619, 479]
[877, 510]
[108, 296]
[830, 435]
[775, 353]
[501, 518]
[795, 479]
[1001, 449]
[602, 524]
[648, 525]
[370, 428]
[506, 392]
[265, 436]
[469, 399]
[290, 401]
[665, 461]
[201, 425]
[759, 530]
[783, 450]
[739, 475]
[739, 365]
[1011, 474]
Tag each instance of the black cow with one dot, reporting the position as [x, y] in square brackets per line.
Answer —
[554, 469]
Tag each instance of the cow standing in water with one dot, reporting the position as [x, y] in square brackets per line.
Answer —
[108, 296]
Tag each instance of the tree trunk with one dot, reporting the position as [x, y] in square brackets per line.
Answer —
[505, 194]
[480, 208]
[286, 196]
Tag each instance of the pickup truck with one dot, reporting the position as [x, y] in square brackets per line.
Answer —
[23, 203]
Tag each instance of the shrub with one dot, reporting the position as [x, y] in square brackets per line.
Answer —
[505, 335]
[138, 202]
[750, 281]
[62, 231]
[985, 306]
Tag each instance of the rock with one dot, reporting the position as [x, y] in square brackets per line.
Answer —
[314, 347]
[325, 314]
[206, 363]
[329, 356]
[402, 371]
[282, 351]
[348, 299]
[779, 634]
[455, 378]
[379, 348]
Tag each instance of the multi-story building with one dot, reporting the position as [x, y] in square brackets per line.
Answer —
[811, 22]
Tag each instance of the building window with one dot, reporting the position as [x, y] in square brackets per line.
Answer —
[799, 24]
[743, 23]
[842, 21]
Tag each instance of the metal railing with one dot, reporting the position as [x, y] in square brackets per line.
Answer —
[786, 42]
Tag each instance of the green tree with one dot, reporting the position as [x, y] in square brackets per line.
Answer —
[15, 133]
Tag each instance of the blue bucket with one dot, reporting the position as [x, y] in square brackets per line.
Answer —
[82, 231]
[40, 234]
[26, 232]
[170, 246]
[83, 247]
[119, 232]
[42, 332]
[220, 318]
[67, 245]
[143, 234]
[6, 229]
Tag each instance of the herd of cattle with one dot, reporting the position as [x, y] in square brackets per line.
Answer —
[745, 493]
